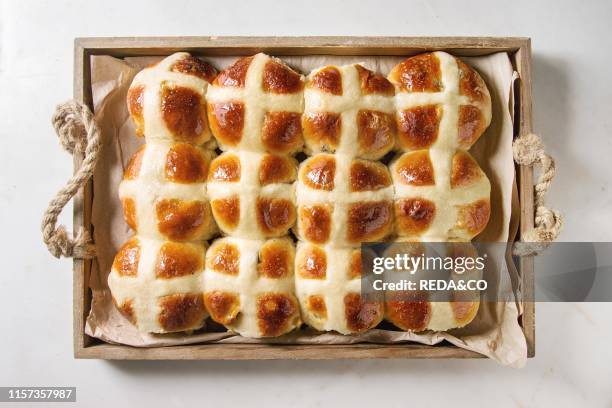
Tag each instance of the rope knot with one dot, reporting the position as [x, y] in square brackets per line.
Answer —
[78, 133]
[69, 123]
[59, 244]
[528, 150]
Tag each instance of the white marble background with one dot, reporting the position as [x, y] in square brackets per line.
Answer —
[573, 105]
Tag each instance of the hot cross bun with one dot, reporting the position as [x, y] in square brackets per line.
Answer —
[252, 194]
[343, 201]
[163, 192]
[441, 102]
[439, 311]
[249, 286]
[349, 110]
[255, 104]
[167, 100]
[157, 284]
[440, 196]
[328, 286]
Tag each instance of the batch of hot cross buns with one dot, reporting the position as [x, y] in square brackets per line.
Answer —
[257, 186]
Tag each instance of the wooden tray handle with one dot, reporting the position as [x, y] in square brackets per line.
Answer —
[528, 150]
[78, 132]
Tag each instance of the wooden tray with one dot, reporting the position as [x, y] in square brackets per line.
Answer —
[519, 50]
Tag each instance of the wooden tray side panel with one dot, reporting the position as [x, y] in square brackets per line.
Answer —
[87, 347]
[82, 205]
[526, 194]
[134, 46]
[275, 352]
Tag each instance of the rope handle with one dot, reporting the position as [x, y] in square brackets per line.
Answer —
[528, 150]
[78, 132]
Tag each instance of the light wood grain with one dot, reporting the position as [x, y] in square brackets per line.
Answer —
[82, 204]
[86, 347]
[274, 352]
[526, 195]
[134, 46]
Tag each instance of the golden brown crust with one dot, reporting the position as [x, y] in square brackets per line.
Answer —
[280, 79]
[274, 215]
[464, 311]
[355, 269]
[227, 121]
[225, 168]
[275, 313]
[420, 73]
[461, 250]
[417, 128]
[414, 216]
[194, 66]
[184, 113]
[474, 217]
[277, 169]
[319, 172]
[322, 128]
[409, 311]
[312, 263]
[133, 168]
[127, 259]
[282, 132]
[361, 315]
[375, 131]
[368, 176]
[223, 307]
[181, 312]
[275, 259]
[315, 222]
[316, 306]
[235, 74]
[369, 221]
[185, 164]
[373, 83]
[471, 125]
[224, 258]
[176, 260]
[180, 220]
[135, 103]
[129, 212]
[465, 171]
[227, 210]
[415, 169]
[127, 310]
[470, 83]
[327, 80]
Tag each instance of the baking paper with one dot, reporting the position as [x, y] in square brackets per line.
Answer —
[495, 332]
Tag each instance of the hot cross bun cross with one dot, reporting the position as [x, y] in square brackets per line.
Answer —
[163, 192]
[252, 194]
[255, 104]
[328, 286]
[439, 311]
[441, 102]
[343, 201]
[440, 196]
[167, 100]
[249, 286]
[443, 106]
[157, 286]
[349, 110]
